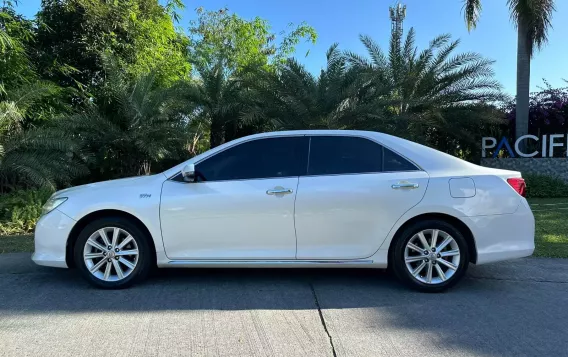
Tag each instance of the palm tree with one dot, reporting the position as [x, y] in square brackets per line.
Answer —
[426, 89]
[36, 156]
[422, 95]
[215, 93]
[294, 98]
[130, 128]
[533, 20]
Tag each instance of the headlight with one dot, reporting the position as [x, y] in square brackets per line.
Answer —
[52, 204]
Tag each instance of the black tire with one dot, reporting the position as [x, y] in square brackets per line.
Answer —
[143, 265]
[398, 263]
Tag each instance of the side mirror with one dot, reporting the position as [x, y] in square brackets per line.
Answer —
[188, 173]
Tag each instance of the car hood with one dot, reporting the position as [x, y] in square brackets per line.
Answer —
[111, 184]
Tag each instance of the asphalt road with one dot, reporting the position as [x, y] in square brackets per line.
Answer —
[508, 309]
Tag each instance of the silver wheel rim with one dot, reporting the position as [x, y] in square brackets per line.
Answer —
[111, 254]
[432, 256]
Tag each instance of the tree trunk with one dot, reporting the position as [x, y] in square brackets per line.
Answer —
[523, 81]
[217, 134]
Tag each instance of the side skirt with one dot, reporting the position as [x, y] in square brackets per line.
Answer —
[362, 263]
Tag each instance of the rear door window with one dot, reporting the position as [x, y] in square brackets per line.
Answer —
[335, 155]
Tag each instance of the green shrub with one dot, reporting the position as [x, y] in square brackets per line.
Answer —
[543, 186]
[20, 210]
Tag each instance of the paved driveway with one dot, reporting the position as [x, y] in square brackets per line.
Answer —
[508, 309]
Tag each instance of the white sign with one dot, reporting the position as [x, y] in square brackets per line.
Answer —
[547, 145]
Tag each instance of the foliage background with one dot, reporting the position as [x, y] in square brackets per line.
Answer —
[92, 90]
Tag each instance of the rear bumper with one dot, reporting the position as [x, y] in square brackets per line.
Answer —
[50, 239]
[504, 236]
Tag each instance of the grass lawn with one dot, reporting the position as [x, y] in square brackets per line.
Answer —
[551, 215]
[13, 244]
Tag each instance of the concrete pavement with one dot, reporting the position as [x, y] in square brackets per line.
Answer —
[517, 308]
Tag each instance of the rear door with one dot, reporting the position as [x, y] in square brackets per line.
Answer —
[353, 194]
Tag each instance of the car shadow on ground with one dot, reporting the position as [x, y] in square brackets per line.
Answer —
[226, 289]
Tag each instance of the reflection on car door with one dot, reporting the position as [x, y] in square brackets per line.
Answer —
[353, 194]
[243, 205]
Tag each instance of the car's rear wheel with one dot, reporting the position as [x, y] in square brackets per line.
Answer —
[112, 253]
[430, 255]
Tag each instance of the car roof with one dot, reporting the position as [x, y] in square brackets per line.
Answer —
[430, 160]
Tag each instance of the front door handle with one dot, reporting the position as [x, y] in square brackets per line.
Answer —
[279, 191]
[405, 185]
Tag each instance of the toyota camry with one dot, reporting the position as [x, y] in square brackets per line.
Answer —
[326, 199]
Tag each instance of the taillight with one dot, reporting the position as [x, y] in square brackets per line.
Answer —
[519, 185]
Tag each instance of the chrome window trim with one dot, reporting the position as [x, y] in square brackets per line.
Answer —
[419, 168]
[361, 173]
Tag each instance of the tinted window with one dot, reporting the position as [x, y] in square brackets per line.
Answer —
[331, 155]
[262, 158]
[394, 162]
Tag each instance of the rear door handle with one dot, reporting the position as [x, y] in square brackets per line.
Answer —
[405, 185]
[279, 191]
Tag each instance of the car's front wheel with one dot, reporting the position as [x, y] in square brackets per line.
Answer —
[112, 253]
[430, 255]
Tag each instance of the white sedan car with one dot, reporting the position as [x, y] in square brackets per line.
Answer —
[294, 199]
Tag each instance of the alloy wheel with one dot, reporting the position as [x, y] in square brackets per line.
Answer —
[432, 256]
[111, 254]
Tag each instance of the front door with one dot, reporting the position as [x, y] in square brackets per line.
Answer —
[242, 207]
[354, 193]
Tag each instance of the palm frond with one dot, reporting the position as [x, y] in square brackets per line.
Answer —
[374, 51]
[472, 11]
[537, 16]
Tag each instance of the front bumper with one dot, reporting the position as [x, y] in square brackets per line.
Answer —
[504, 236]
[50, 238]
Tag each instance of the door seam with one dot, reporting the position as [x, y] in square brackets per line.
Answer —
[294, 217]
